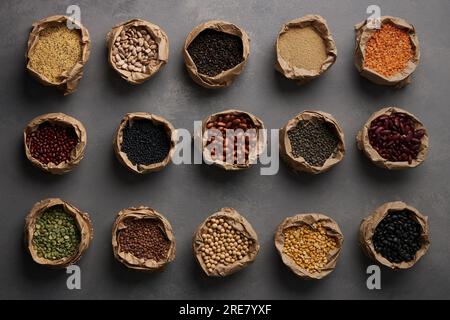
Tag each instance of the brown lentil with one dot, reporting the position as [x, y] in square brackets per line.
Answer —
[395, 138]
[144, 239]
[232, 122]
[303, 48]
[388, 51]
[222, 244]
[57, 51]
[309, 246]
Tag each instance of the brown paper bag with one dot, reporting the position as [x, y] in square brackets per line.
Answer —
[299, 74]
[309, 219]
[159, 36]
[253, 156]
[122, 156]
[77, 153]
[363, 35]
[128, 259]
[68, 81]
[239, 223]
[300, 164]
[83, 222]
[369, 224]
[225, 78]
[363, 143]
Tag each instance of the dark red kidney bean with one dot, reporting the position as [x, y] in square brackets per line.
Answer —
[52, 143]
[395, 138]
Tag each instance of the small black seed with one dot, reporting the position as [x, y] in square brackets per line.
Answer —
[145, 143]
[213, 52]
[313, 140]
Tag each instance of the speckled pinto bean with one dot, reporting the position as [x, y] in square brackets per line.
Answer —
[135, 50]
[395, 137]
[237, 135]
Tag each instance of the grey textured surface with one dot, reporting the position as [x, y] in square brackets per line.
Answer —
[187, 194]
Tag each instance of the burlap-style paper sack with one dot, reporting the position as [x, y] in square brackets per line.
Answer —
[157, 120]
[239, 223]
[77, 153]
[225, 78]
[363, 143]
[299, 74]
[84, 226]
[369, 224]
[332, 230]
[299, 164]
[158, 35]
[127, 258]
[255, 152]
[68, 81]
[363, 35]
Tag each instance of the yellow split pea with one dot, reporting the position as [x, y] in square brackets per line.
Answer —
[309, 246]
[303, 48]
[57, 51]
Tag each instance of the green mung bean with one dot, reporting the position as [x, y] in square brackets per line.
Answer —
[56, 235]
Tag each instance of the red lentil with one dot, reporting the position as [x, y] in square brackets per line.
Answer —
[388, 51]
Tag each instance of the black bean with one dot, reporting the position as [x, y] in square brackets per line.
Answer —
[398, 237]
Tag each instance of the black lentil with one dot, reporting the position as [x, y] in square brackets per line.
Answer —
[213, 52]
[398, 237]
[144, 142]
[314, 140]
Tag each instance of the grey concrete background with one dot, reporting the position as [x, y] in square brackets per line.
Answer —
[187, 194]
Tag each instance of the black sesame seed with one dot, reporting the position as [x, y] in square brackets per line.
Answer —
[213, 52]
[144, 142]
